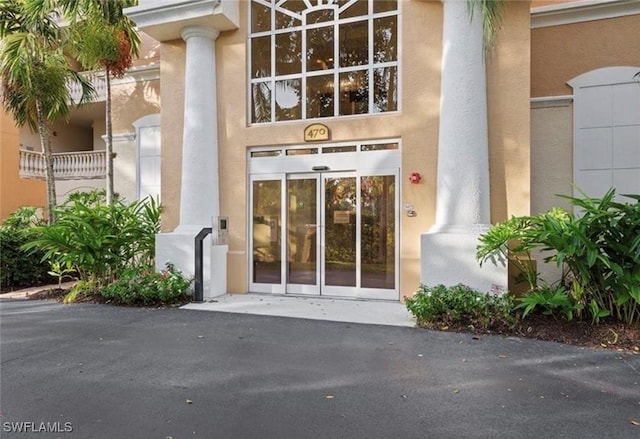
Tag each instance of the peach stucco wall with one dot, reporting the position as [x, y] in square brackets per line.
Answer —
[560, 53]
[416, 124]
[14, 191]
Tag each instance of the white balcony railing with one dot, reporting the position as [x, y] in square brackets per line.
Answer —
[98, 82]
[66, 165]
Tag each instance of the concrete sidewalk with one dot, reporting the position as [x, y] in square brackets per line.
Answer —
[314, 308]
[25, 293]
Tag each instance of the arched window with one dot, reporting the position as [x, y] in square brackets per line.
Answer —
[606, 131]
[322, 58]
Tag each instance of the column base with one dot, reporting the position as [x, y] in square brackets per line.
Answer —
[449, 258]
[218, 268]
[178, 248]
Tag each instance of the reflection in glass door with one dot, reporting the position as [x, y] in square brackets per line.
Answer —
[266, 235]
[340, 224]
[302, 234]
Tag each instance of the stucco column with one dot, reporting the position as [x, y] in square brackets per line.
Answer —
[199, 191]
[462, 198]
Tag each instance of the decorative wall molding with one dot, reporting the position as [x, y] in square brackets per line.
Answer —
[582, 10]
[551, 101]
[121, 137]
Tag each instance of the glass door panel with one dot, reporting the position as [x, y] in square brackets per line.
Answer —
[302, 234]
[266, 232]
[378, 231]
[340, 202]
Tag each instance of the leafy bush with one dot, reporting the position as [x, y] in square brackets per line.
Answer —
[100, 241]
[551, 301]
[460, 305]
[18, 267]
[600, 249]
[143, 287]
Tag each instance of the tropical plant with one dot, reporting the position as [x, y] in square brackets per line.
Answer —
[139, 286]
[103, 38]
[35, 73]
[460, 305]
[20, 268]
[550, 301]
[492, 16]
[99, 240]
[600, 249]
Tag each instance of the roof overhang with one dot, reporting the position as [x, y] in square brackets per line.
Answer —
[165, 19]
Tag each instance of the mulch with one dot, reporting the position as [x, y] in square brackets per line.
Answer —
[607, 334]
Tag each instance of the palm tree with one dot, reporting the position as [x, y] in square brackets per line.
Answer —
[103, 38]
[35, 73]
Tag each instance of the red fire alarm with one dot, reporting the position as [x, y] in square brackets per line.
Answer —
[415, 178]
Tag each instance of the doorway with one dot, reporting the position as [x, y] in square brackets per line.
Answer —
[326, 233]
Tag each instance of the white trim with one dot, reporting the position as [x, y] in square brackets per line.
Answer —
[121, 137]
[605, 76]
[164, 19]
[581, 11]
[551, 101]
[145, 73]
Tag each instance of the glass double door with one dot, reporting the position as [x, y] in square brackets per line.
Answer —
[331, 234]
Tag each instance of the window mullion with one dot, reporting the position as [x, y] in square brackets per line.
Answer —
[370, 36]
[336, 68]
[303, 66]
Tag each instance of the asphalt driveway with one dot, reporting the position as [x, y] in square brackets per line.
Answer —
[91, 371]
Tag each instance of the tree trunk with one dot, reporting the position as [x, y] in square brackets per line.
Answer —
[109, 142]
[47, 154]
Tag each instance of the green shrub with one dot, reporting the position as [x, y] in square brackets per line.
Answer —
[460, 305]
[600, 249]
[100, 241]
[141, 287]
[18, 267]
[550, 301]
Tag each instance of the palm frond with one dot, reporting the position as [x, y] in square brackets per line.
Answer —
[492, 17]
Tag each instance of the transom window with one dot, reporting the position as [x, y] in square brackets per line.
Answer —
[322, 58]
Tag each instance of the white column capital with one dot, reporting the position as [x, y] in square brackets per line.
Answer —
[199, 31]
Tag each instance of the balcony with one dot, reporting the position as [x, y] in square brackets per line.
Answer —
[99, 84]
[85, 165]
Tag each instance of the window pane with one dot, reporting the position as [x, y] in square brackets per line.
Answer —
[288, 105]
[305, 151]
[377, 197]
[302, 233]
[260, 154]
[354, 44]
[379, 147]
[260, 57]
[360, 7]
[267, 222]
[320, 96]
[288, 53]
[385, 92]
[320, 16]
[260, 17]
[384, 5]
[320, 48]
[340, 231]
[354, 92]
[296, 6]
[261, 102]
[385, 39]
[337, 149]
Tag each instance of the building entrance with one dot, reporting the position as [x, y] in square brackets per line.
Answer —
[325, 232]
